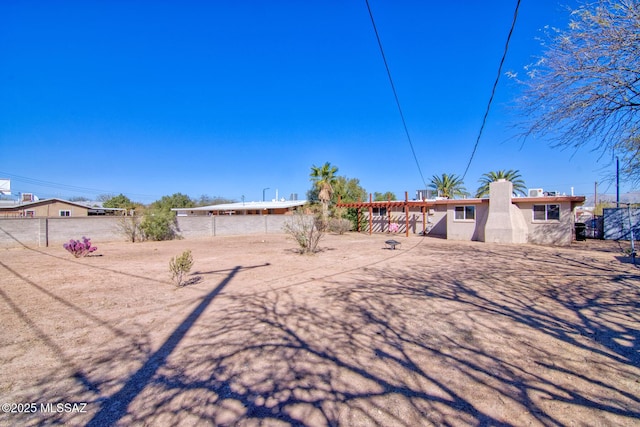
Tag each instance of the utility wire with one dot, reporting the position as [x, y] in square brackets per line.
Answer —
[493, 90]
[395, 94]
[72, 188]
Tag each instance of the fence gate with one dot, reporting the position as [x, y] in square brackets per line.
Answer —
[620, 222]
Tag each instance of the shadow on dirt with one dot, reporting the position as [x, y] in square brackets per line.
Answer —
[367, 358]
[113, 408]
[502, 337]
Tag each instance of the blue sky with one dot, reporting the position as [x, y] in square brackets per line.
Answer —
[229, 98]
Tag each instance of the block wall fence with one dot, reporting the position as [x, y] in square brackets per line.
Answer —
[43, 232]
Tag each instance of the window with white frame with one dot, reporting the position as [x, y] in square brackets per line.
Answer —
[65, 213]
[463, 213]
[546, 212]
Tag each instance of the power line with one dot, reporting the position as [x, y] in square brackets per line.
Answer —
[493, 90]
[395, 94]
[73, 188]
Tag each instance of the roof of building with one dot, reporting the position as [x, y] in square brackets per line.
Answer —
[469, 201]
[14, 204]
[247, 206]
[44, 202]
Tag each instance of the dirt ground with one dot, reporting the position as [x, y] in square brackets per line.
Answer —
[433, 333]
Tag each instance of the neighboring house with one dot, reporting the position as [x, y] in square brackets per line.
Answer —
[47, 208]
[277, 207]
[500, 218]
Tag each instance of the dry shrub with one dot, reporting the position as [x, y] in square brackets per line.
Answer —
[180, 266]
[306, 230]
[339, 225]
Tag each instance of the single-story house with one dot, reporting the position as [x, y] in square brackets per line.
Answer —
[274, 207]
[54, 207]
[500, 218]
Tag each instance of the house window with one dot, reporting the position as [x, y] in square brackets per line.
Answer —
[465, 213]
[30, 214]
[65, 213]
[546, 212]
[379, 211]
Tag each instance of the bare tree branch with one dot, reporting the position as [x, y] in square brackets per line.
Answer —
[585, 90]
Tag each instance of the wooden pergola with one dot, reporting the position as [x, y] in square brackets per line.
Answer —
[406, 204]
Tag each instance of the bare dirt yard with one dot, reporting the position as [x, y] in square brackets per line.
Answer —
[432, 333]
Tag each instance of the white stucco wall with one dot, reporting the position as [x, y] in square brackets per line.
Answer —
[553, 232]
[467, 229]
[505, 223]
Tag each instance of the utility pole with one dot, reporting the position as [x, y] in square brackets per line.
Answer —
[633, 246]
[617, 183]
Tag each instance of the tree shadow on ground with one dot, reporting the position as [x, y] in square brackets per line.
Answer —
[425, 346]
[273, 359]
[115, 406]
[519, 336]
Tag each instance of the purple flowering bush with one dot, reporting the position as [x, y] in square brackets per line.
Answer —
[80, 248]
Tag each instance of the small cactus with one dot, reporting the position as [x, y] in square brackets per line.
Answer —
[80, 248]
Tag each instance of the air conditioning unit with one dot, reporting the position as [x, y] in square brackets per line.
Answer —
[536, 192]
[426, 194]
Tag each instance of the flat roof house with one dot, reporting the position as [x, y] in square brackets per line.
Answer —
[501, 218]
[275, 207]
[47, 208]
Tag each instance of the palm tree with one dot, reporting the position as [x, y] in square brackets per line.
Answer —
[324, 178]
[510, 175]
[449, 186]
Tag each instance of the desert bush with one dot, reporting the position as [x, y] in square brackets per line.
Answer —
[129, 226]
[158, 226]
[339, 225]
[307, 231]
[350, 214]
[80, 248]
[180, 266]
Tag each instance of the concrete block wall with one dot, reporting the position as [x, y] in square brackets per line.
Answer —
[222, 225]
[103, 229]
[195, 226]
[275, 223]
[42, 232]
[233, 225]
[19, 232]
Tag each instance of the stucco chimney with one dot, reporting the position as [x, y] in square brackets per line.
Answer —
[505, 223]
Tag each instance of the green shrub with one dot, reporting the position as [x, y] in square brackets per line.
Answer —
[158, 226]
